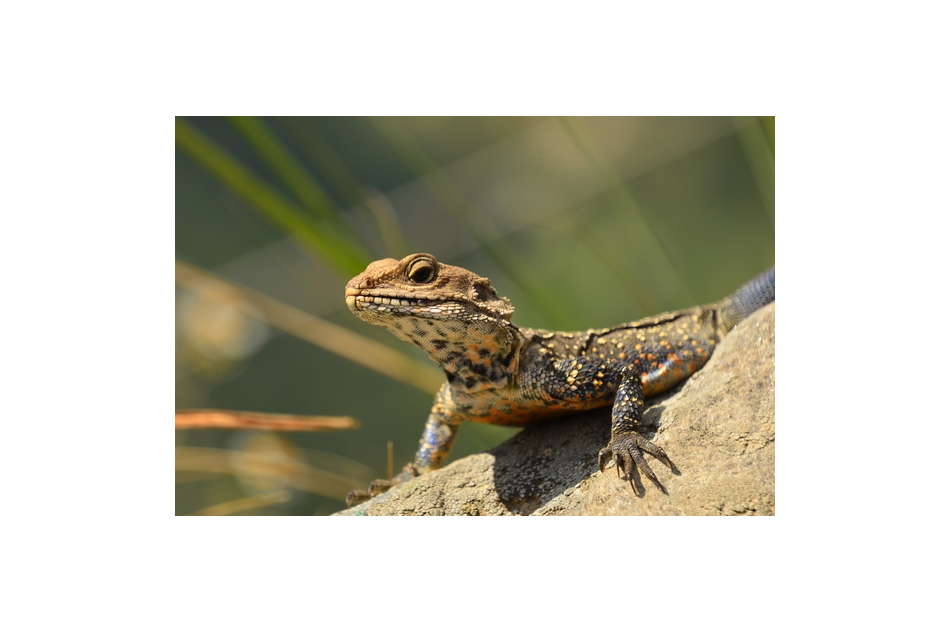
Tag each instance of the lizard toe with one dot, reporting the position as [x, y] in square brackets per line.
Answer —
[627, 449]
[376, 487]
[379, 486]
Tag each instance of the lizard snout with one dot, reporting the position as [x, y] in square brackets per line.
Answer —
[351, 294]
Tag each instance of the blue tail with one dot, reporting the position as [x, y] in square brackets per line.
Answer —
[747, 299]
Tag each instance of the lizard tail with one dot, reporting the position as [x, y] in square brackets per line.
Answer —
[747, 299]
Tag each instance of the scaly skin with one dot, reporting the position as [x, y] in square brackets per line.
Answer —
[499, 373]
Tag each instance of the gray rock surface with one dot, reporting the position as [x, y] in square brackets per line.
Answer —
[718, 428]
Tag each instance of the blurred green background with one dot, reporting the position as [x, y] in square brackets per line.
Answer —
[581, 222]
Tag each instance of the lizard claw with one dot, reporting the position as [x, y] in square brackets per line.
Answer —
[627, 448]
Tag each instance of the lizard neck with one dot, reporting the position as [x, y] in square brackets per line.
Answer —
[475, 355]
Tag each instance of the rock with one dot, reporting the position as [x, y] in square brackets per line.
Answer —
[718, 428]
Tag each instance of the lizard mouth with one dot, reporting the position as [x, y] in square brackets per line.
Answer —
[376, 305]
[356, 301]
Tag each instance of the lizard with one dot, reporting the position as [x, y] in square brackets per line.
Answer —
[500, 373]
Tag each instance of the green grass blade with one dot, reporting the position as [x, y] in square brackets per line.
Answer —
[760, 154]
[324, 160]
[320, 236]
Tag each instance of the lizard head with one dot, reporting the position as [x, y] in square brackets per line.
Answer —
[451, 313]
[419, 286]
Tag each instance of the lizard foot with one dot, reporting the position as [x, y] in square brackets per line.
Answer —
[379, 486]
[627, 448]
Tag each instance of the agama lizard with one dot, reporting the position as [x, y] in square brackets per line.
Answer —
[500, 373]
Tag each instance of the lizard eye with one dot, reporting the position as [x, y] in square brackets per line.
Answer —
[421, 271]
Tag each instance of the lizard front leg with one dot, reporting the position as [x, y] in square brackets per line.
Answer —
[437, 439]
[586, 383]
[581, 382]
[626, 445]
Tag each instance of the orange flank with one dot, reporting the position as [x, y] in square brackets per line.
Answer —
[510, 413]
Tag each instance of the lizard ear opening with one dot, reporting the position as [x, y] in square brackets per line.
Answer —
[484, 292]
[486, 295]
